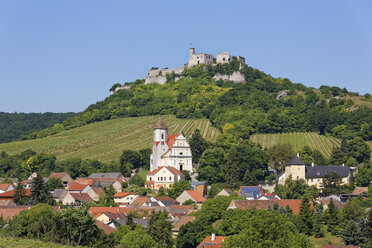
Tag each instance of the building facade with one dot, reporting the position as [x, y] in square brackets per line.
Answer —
[170, 150]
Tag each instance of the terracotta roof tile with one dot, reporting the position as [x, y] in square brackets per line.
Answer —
[181, 207]
[85, 181]
[75, 186]
[81, 197]
[122, 194]
[59, 175]
[4, 186]
[294, 204]
[139, 201]
[196, 196]
[360, 190]
[9, 194]
[171, 169]
[107, 229]
[10, 212]
[217, 241]
[100, 210]
[184, 220]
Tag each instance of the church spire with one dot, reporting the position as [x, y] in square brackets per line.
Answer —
[160, 124]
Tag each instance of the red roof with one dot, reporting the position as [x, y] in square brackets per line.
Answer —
[60, 175]
[294, 204]
[196, 196]
[75, 186]
[107, 229]
[170, 168]
[86, 181]
[100, 210]
[360, 190]
[123, 194]
[4, 186]
[81, 197]
[10, 212]
[181, 207]
[9, 194]
[217, 241]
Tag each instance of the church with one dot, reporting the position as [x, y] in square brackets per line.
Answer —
[170, 150]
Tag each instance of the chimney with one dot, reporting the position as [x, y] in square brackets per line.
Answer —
[343, 164]
[312, 164]
[213, 237]
[298, 155]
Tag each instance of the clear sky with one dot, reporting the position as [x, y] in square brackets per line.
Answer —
[62, 56]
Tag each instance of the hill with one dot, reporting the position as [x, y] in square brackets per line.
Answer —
[106, 140]
[11, 242]
[263, 104]
[14, 126]
[298, 141]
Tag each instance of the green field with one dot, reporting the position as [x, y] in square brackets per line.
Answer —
[11, 242]
[298, 141]
[106, 140]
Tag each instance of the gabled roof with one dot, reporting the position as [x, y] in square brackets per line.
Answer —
[166, 200]
[184, 220]
[58, 192]
[321, 171]
[171, 169]
[360, 190]
[122, 194]
[160, 124]
[87, 181]
[81, 197]
[75, 186]
[60, 175]
[249, 190]
[139, 201]
[294, 204]
[196, 196]
[106, 229]
[9, 194]
[196, 183]
[100, 210]
[208, 241]
[4, 186]
[295, 161]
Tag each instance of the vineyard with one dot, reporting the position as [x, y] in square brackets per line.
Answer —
[106, 140]
[298, 141]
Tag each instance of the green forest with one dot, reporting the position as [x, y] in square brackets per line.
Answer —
[14, 126]
[239, 109]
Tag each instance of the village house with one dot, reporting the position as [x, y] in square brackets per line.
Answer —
[200, 186]
[6, 198]
[294, 204]
[225, 192]
[64, 177]
[191, 195]
[182, 221]
[313, 175]
[163, 177]
[170, 150]
[124, 198]
[250, 192]
[4, 187]
[212, 241]
[164, 201]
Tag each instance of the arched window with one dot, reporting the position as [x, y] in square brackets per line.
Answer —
[181, 153]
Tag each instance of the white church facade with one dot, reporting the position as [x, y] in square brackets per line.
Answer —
[170, 150]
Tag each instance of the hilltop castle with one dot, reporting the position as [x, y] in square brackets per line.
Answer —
[159, 75]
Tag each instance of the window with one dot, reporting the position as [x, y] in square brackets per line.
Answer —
[162, 136]
[158, 178]
[181, 153]
[311, 180]
[170, 178]
[150, 179]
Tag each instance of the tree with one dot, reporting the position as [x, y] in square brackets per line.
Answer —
[249, 179]
[353, 234]
[42, 163]
[337, 156]
[364, 176]
[192, 233]
[145, 157]
[332, 218]
[131, 157]
[137, 180]
[331, 183]
[359, 150]
[20, 197]
[188, 202]
[292, 189]
[215, 189]
[39, 191]
[54, 183]
[232, 169]
[160, 229]
[211, 166]
[178, 187]
[198, 145]
[162, 192]
[126, 169]
[279, 155]
[137, 238]
[306, 216]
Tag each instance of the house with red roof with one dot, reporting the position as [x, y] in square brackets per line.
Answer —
[294, 204]
[124, 198]
[170, 150]
[191, 195]
[4, 187]
[212, 241]
[163, 177]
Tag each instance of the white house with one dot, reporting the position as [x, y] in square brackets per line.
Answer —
[163, 177]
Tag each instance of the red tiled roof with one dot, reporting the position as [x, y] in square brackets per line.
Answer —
[294, 204]
[184, 220]
[107, 229]
[75, 186]
[196, 196]
[82, 197]
[360, 190]
[4, 186]
[139, 201]
[10, 212]
[86, 181]
[170, 168]
[98, 191]
[59, 175]
[171, 139]
[9, 194]
[181, 207]
[149, 182]
[217, 241]
[122, 194]
[100, 210]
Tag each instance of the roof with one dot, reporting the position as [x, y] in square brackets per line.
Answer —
[9, 212]
[160, 124]
[123, 194]
[143, 222]
[116, 216]
[81, 197]
[106, 175]
[100, 210]
[75, 186]
[4, 186]
[87, 181]
[166, 200]
[107, 229]
[59, 175]
[360, 190]
[321, 171]
[181, 207]
[184, 220]
[171, 169]
[254, 190]
[196, 195]
[139, 201]
[229, 191]
[9, 194]
[208, 241]
[196, 183]
[295, 161]
[58, 192]
[98, 191]
[294, 204]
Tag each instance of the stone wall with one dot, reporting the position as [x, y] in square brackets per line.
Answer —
[236, 77]
[159, 75]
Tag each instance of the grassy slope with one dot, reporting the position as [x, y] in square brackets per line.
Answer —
[106, 140]
[361, 101]
[298, 141]
[10, 242]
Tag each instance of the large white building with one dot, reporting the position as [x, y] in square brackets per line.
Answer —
[170, 150]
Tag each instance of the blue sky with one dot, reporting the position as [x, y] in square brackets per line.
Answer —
[62, 56]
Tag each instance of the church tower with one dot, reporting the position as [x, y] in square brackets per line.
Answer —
[160, 131]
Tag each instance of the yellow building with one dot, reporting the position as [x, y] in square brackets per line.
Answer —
[313, 175]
